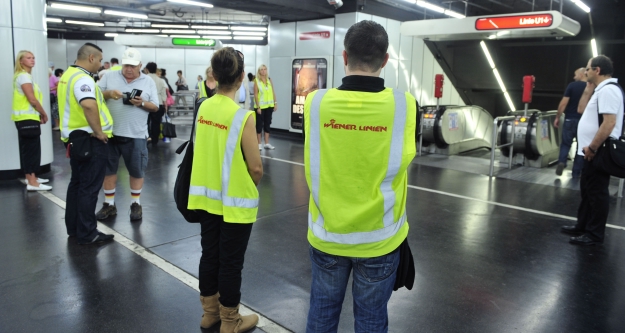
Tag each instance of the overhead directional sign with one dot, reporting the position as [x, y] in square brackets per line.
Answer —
[514, 22]
[168, 42]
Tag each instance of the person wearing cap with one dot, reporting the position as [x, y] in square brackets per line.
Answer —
[130, 129]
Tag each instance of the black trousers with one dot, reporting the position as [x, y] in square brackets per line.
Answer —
[82, 192]
[223, 252]
[30, 152]
[155, 119]
[592, 214]
[263, 120]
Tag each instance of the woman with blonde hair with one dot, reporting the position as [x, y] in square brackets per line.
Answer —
[226, 170]
[266, 105]
[207, 87]
[28, 114]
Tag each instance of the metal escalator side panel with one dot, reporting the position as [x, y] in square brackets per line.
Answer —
[438, 137]
[530, 134]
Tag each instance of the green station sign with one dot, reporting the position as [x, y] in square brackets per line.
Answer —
[193, 42]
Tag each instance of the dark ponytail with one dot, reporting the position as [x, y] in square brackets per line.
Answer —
[227, 67]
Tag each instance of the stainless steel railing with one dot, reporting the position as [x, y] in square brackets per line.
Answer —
[495, 146]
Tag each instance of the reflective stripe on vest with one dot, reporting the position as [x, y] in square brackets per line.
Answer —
[265, 96]
[105, 122]
[22, 109]
[226, 169]
[202, 87]
[391, 227]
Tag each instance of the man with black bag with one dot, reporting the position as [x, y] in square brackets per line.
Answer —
[602, 119]
[86, 125]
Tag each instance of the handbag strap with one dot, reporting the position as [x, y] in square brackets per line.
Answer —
[600, 116]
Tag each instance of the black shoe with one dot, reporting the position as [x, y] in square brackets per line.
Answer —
[106, 211]
[136, 212]
[571, 229]
[560, 168]
[99, 238]
[583, 240]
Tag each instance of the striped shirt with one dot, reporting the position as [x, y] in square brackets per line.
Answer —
[128, 120]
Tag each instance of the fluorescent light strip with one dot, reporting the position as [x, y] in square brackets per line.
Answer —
[147, 31]
[214, 32]
[581, 5]
[218, 37]
[248, 38]
[214, 27]
[499, 80]
[110, 34]
[430, 6]
[175, 26]
[185, 36]
[53, 20]
[509, 100]
[487, 54]
[125, 14]
[77, 8]
[593, 45]
[162, 36]
[497, 76]
[249, 33]
[192, 3]
[248, 28]
[177, 31]
[95, 24]
[453, 14]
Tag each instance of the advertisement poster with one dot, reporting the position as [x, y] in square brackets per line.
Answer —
[308, 75]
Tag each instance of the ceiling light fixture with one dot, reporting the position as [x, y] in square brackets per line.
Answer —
[192, 3]
[249, 33]
[248, 28]
[218, 37]
[178, 31]
[95, 24]
[147, 31]
[581, 5]
[593, 45]
[214, 32]
[497, 76]
[185, 36]
[125, 14]
[214, 27]
[78, 8]
[453, 14]
[110, 34]
[175, 26]
[53, 20]
[248, 38]
[430, 6]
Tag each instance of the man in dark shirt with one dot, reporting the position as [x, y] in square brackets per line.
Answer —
[568, 105]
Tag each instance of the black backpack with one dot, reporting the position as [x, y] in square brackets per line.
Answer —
[183, 179]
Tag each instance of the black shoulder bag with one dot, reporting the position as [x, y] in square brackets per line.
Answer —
[183, 179]
[610, 157]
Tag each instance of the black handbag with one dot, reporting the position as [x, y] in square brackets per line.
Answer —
[28, 129]
[183, 179]
[79, 145]
[169, 130]
[610, 157]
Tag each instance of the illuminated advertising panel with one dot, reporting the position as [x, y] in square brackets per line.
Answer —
[514, 22]
[308, 75]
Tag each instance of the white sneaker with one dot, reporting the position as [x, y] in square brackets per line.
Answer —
[41, 187]
[260, 146]
[269, 146]
[42, 180]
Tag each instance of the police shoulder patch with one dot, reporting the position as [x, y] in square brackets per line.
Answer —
[85, 88]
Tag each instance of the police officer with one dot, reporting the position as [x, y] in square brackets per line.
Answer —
[226, 169]
[359, 143]
[83, 112]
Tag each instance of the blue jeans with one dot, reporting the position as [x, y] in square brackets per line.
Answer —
[372, 286]
[569, 131]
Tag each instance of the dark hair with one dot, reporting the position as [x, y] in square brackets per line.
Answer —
[86, 50]
[151, 66]
[366, 43]
[227, 68]
[250, 76]
[179, 72]
[603, 62]
[58, 72]
[163, 71]
[115, 60]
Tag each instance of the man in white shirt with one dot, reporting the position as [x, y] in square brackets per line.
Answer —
[130, 129]
[602, 118]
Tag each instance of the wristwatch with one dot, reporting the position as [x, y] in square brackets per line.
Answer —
[142, 104]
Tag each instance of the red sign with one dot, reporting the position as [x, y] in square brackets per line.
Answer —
[314, 35]
[514, 22]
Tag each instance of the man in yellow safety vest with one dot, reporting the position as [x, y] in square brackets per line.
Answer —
[359, 143]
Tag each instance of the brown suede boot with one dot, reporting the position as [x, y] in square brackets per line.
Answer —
[233, 322]
[210, 304]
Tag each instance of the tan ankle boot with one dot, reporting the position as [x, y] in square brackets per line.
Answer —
[210, 304]
[233, 322]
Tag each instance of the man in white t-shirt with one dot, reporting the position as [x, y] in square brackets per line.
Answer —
[130, 129]
[602, 118]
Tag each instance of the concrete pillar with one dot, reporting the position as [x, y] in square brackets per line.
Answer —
[22, 27]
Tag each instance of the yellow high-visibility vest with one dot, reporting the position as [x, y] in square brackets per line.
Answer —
[220, 181]
[22, 110]
[357, 149]
[116, 68]
[265, 94]
[71, 115]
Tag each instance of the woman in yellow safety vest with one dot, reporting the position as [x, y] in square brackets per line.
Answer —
[28, 114]
[226, 170]
[207, 87]
[266, 105]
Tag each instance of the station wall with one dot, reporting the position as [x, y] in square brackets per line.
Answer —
[192, 62]
[411, 66]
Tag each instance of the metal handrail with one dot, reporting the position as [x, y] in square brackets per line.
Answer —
[420, 134]
[494, 144]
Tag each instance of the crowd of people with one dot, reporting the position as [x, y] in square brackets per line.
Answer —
[101, 122]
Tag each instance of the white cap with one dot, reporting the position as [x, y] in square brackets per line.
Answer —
[131, 57]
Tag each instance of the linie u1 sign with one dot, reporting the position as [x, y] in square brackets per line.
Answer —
[314, 35]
